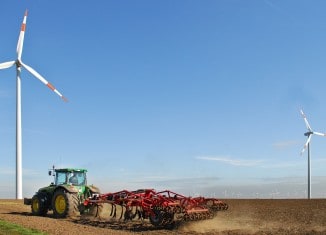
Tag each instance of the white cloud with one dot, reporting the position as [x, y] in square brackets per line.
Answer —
[7, 171]
[230, 161]
[285, 144]
[282, 165]
[12, 171]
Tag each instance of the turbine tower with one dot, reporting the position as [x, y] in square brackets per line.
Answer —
[18, 62]
[309, 134]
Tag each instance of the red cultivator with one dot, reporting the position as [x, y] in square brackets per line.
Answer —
[161, 208]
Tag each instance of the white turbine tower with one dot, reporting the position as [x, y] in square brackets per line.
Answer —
[18, 62]
[309, 134]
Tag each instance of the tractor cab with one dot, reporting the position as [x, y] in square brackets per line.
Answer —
[76, 177]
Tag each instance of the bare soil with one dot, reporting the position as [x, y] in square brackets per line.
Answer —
[288, 216]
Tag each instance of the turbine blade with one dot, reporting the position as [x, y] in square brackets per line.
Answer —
[21, 37]
[318, 133]
[306, 144]
[6, 65]
[42, 79]
[305, 120]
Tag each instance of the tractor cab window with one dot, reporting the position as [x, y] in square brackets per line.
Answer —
[61, 178]
[73, 178]
[77, 178]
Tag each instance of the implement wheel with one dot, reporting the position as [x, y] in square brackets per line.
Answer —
[64, 204]
[157, 218]
[39, 204]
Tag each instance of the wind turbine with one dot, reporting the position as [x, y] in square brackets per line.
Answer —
[18, 62]
[309, 134]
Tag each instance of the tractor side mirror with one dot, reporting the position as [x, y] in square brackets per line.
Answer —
[50, 173]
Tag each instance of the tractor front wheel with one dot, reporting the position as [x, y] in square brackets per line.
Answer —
[64, 204]
[39, 204]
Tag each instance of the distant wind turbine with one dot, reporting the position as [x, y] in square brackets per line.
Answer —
[18, 62]
[309, 134]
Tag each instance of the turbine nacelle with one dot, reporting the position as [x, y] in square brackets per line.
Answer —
[308, 133]
[18, 63]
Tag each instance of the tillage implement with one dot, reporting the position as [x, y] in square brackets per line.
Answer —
[162, 208]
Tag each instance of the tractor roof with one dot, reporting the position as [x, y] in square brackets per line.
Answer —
[70, 170]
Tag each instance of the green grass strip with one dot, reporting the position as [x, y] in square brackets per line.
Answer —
[7, 228]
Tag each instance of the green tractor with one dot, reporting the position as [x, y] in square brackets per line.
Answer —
[65, 196]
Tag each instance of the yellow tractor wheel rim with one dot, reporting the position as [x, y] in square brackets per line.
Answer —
[35, 205]
[60, 204]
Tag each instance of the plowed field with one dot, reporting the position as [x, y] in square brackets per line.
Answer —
[243, 217]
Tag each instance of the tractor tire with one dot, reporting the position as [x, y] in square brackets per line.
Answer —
[65, 204]
[39, 204]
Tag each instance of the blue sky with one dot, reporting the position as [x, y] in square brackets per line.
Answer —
[194, 96]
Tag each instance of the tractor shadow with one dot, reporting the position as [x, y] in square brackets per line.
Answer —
[19, 213]
[49, 215]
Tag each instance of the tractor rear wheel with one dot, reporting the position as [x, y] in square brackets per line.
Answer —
[39, 204]
[65, 204]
